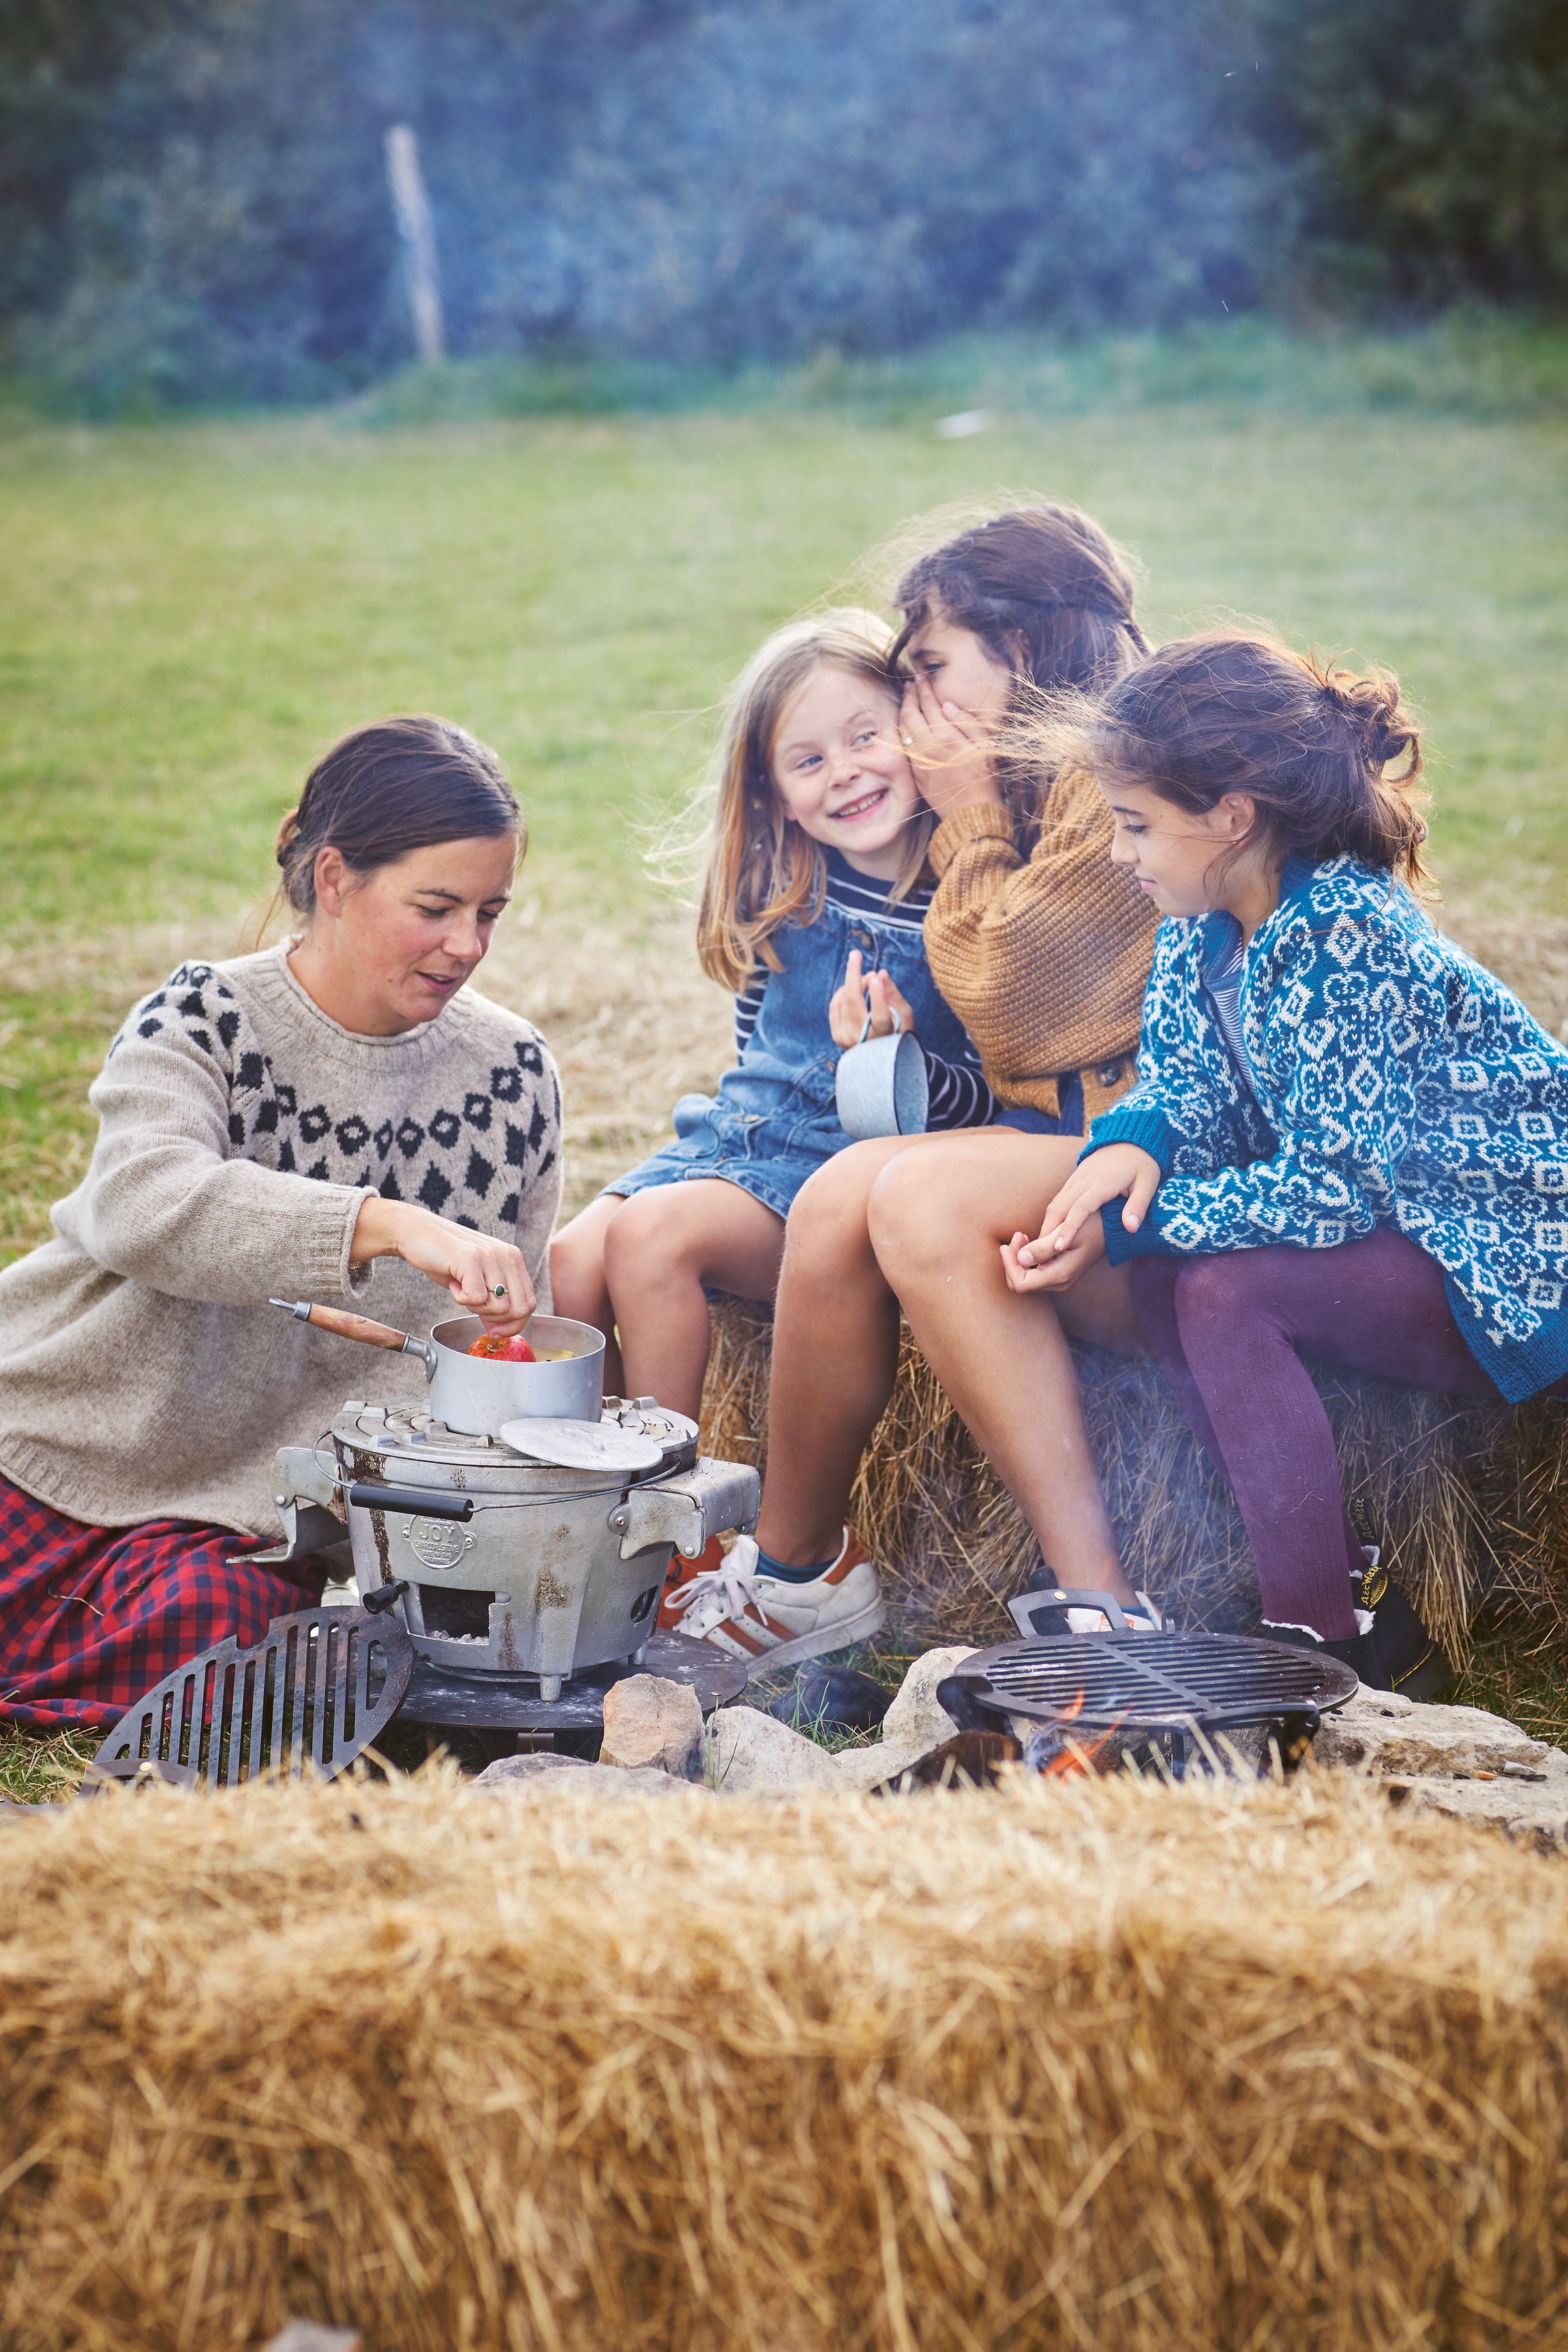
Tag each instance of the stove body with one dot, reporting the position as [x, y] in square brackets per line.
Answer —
[552, 1572]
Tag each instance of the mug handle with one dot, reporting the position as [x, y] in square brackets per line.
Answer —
[865, 1025]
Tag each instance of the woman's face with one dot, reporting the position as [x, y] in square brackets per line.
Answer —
[402, 940]
[960, 666]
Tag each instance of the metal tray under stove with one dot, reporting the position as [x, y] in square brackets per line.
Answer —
[441, 1701]
[1153, 1685]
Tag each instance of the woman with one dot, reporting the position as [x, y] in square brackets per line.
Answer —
[1042, 949]
[338, 1117]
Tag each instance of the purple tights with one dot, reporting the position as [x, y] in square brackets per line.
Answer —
[1226, 1331]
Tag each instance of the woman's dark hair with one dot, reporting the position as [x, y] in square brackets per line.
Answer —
[1309, 743]
[393, 786]
[1049, 596]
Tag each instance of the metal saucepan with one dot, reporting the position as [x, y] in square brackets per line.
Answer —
[477, 1393]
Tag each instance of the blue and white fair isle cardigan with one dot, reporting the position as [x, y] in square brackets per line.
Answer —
[1397, 1083]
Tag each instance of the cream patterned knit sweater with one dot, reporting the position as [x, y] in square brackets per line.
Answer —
[143, 1375]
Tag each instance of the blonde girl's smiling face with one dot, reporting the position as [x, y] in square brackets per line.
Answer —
[1180, 857]
[841, 772]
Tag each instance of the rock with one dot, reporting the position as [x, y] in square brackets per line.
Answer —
[914, 1725]
[648, 1720]
[752, 1755]
[1379, 1731]
[1459, 1761]
[1529, 1806]
[915, 1720]
[528, 1776]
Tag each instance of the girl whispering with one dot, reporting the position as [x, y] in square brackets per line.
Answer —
[813, 891]
[1348, 1141]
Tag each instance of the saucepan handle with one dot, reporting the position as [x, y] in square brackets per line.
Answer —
[350, 1326]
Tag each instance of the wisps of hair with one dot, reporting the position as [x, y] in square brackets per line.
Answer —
[1329, 756]
[760, 871]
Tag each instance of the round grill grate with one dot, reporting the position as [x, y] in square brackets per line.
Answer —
[1155, 1681]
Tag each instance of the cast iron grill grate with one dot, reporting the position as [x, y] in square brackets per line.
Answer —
[310, 1697]
[1152, 1683]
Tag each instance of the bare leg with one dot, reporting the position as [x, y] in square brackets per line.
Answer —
[577, 1283]
[661, 1249]
[1004, 1364]
[835, 1332]
[835, 1354]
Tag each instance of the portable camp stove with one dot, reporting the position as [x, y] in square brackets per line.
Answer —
[528, 1585]
[1176, 1693]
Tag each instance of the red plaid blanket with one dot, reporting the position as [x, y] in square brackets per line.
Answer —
[92, 1617]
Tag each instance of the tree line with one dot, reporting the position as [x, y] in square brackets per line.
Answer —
[193, 202]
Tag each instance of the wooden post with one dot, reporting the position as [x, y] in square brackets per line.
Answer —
[411, 207]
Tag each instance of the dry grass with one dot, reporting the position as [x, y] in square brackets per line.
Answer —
[1120, 2066]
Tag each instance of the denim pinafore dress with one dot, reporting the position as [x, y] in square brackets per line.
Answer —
[774, 1122]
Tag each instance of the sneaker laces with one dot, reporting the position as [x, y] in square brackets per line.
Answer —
[727, 1585]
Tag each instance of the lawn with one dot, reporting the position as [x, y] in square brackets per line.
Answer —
[189, 612]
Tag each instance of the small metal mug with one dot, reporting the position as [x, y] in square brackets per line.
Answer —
[882, 1087]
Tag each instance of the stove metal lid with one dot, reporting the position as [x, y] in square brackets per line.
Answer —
[583, 1444]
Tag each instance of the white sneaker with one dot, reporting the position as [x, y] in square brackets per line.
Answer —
[1144, 1619]
[768, 1623]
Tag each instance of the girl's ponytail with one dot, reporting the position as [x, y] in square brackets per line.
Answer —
[1384, 823]
[1330, 759]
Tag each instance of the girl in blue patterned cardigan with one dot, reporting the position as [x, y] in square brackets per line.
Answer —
[1348, 1140]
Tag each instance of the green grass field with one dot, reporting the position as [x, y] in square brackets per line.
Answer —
[188, 613]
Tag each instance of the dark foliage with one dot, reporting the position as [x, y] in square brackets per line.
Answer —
[192, 200]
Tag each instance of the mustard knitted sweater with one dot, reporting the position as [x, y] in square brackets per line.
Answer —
[142, 1374]
[1044, 958]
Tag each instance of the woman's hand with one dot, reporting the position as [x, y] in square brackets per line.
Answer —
[1072, 1237]
[491, 1278]
[871, 993]
[950, 751]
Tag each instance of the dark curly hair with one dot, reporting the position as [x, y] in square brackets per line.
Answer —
[1309, 743]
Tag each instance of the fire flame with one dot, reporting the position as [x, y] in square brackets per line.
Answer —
[1074, 1763]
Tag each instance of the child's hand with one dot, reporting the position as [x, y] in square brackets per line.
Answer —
[949, 750]
[1062, 1270]
[1121, 1168]
[872, 992]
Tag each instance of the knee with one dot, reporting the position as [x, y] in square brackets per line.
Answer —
[827, 1232]
[577, 1265]
[911, 1219]
[642, 1238]
[1215, 1292]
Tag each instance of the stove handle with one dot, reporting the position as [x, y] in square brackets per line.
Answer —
[686, 1508]
[416, 1502]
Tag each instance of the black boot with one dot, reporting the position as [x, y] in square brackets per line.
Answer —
[1406, 1658]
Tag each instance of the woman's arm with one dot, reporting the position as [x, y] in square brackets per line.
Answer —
[163, 1203]
[1043, 959]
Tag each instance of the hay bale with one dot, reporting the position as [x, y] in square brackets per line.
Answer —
[1466, 1495]
[1117, 2066]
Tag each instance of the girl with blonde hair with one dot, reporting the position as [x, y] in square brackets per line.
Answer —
[814, 892]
